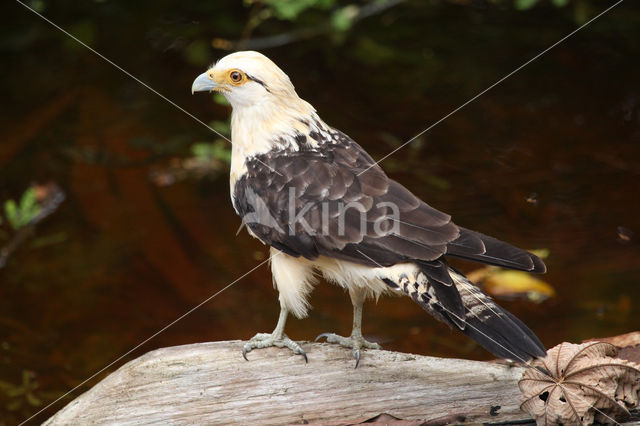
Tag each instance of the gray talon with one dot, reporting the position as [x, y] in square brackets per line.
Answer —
[265, 340]
[353, 342]
[277, 338]
[320, 336]
[244, 353]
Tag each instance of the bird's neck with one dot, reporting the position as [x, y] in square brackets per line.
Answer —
[265, 127]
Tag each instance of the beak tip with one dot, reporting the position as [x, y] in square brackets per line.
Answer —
[202, 83]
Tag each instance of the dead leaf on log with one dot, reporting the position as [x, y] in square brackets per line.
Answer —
[628, 345]
[580, 384]
[630, 353]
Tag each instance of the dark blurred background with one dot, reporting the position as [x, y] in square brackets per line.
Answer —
[549, 159]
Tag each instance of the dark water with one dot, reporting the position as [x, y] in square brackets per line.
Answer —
[548, 159]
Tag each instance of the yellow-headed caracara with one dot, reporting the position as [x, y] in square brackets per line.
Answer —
[325, 207]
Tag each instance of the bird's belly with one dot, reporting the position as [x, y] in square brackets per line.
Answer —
[294, 278]
[353, 276]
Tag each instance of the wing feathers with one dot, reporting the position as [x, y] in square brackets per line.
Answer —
[400, 196]
[475, 246]
[496, 329]
[373, 182]
[505, 336]
[367, 206]
[409, 248]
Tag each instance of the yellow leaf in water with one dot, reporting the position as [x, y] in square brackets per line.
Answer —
[515, 284]
[542, 253]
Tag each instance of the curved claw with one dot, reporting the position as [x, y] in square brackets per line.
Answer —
[356, 343]
[322, 335]
[244, 354]
[264, 340]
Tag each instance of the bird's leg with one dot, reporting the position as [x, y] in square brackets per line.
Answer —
[276, 338]
[355, 341]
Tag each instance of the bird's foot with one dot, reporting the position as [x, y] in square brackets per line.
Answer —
[265, 340]
[353, 342]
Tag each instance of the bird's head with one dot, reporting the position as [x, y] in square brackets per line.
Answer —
[246, 79]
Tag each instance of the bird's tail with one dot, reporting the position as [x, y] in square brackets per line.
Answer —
[493, 327]
[463, 306]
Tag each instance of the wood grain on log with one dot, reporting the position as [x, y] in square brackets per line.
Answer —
[211, 383]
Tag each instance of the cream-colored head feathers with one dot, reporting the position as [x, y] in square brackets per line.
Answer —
[267, 112]
[250, 78]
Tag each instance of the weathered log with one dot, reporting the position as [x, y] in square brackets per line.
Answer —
[209, 383]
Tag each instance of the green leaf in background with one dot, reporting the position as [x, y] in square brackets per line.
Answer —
[29, 203]
[11, 212]
[206, 151]
[20, 215]
[560, 3]
[221, 152]
[21, 392]
[202, 150]
[37, 5]
[524, 4]
[290, 9]
[85, 31]
[198, 53]
[342, 19]
[223, 127]
[220, 99]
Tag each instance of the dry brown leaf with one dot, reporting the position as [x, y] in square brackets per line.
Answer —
[580, 384]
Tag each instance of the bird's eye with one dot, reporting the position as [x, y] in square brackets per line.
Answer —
[236, 76]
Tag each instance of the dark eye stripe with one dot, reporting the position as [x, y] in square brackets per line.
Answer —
[260, 82]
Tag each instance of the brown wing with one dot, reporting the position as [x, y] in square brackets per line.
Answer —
[335, 201]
